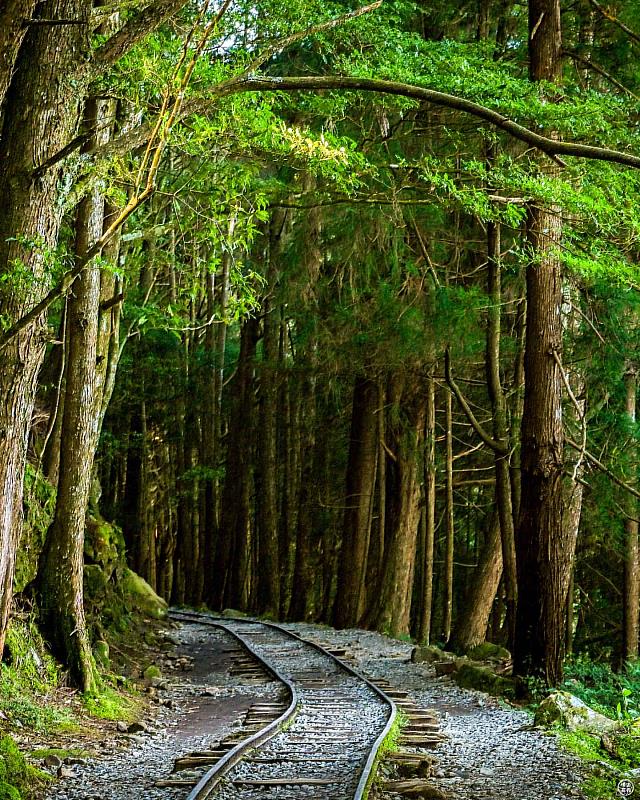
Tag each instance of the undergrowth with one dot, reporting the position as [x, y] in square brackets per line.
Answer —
[616, 695]
[28, 678]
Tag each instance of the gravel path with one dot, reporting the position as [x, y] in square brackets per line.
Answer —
[134, 762]
[492, 753]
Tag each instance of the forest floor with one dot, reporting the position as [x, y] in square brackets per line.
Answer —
[492, 751]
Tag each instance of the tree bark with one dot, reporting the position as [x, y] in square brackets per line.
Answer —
[60, 573]
[268, 577]
[447, 598]
[360, 484]
[394, 607]
[473, 619]
[631, 622]
[424, 622]
[41, 112]
[544, 556]
[500, 427]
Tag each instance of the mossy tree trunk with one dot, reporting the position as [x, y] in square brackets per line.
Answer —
[60, 574]
[40, 114]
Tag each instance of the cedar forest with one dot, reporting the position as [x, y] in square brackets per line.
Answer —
[331, 310]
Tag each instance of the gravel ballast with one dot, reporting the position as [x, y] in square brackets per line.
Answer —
[492, 752]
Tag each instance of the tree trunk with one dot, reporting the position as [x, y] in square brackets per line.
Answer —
[60, 573]
[268, 588]
[631, 566]
[544, 557]
[447, 601]
[41, 112]
[230, 581]
[394, 609]
[360, 484]
[473, 619]
[424, 622]
[500, 426]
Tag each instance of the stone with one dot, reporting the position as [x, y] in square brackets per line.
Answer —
[121, 726]
[416, 787]
[137, 727]
[52, 760]
[65, 772]
[427, 654]
[489, 652]
[564, 710]
[139, 595]
[472, 675]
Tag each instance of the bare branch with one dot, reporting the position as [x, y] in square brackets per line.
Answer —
[616, 21]
[599, 465]
[498, 447]
[133, 31]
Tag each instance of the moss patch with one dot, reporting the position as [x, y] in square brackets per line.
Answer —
[28, 678]
[604, 769]
[17, 778]
[39, 507]
[478, 676]
[112, 705]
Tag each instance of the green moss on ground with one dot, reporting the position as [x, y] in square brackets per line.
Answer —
[112, 705]
[28, 678]
[18, 779]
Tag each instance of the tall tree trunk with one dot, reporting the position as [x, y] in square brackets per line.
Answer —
[230, 581]
[60, 573]
[473, 619]
[447, 598]
[268, 588]
[500, 426]
[631, 566]
[424, 622]
[394, 608]
[360, 484]
[40, 114]
[544, 556]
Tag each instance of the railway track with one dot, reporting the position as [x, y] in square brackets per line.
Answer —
[320, 745]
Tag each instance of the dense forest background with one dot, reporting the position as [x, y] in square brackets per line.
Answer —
[333, 312]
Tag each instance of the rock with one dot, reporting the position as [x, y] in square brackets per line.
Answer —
[427, 654]
[158, 682]
[210, 691]
[478, 676]
[489, 652]
[417, 788]
[121, 726]
[52, 760]
[65, 772]
[564, 710]
[486, 772]
[139, 595]
[137, 727]
[444, 668]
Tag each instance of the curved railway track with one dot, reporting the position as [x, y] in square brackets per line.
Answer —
[323, 746]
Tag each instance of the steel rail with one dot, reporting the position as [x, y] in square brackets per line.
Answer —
[367, 772]
[213, 776]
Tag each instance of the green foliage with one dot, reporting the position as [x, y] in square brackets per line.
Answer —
[615, 694]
